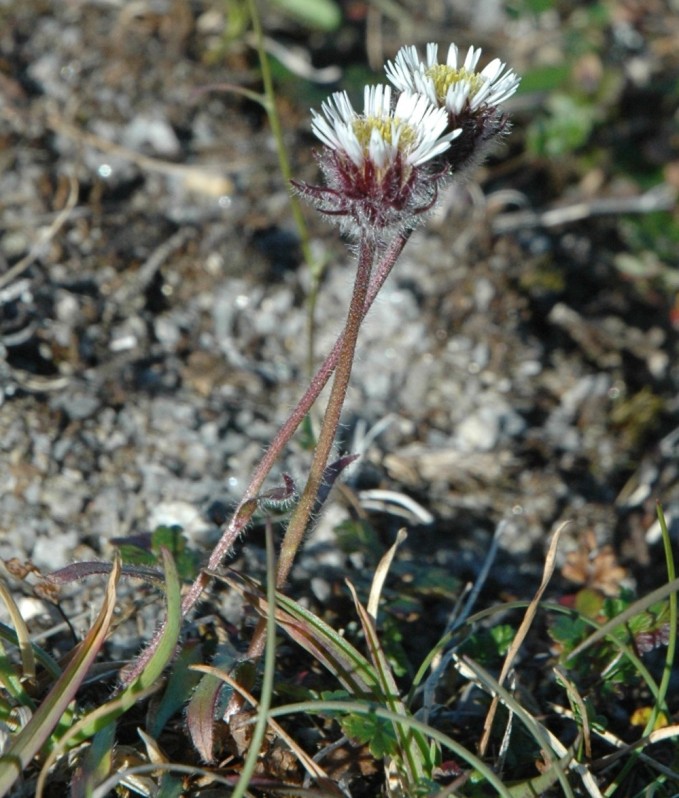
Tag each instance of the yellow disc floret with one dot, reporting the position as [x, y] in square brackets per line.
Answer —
[394, 132]
[445, 76]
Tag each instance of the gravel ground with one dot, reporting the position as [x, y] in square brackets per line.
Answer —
[152, 313]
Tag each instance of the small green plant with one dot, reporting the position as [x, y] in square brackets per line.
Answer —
[148, 552]
[383, 169]
[53, 727]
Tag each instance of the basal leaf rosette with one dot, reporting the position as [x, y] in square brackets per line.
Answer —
[380, 167]
[473, 99]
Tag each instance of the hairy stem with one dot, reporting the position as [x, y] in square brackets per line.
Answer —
[293, 539]
[242, 514]
[331, 419]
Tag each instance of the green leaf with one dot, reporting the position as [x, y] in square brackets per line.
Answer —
[98, 758]
[568, 631]
[136, 555]
[180, 684]
[589, 603]
[503, 635]
[171, 537]
[322, 15]
[486, 646]
[376, 732]
[175, 541]
[566, 127]
[544, 79]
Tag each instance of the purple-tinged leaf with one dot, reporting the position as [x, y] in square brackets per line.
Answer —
[652, 638]
[200, 715]
[332, 650]
[77, 571]
[143, 540]
[204, 705]
[330, 475]
[282, 494]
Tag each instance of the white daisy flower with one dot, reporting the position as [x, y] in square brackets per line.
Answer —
[456, 85]
[381, 167]
[414, 128]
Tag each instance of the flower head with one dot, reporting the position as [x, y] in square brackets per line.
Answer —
[378, 165]
[472, 98]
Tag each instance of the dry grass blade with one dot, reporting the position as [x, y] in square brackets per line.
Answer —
[521, 633]
[311, 767]
[36, 732]
[347, 664]
[22, 633]
[381, 574]
[579, 702]
[38, 248]
[413, 747]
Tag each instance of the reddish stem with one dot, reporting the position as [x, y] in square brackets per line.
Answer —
[243, 513]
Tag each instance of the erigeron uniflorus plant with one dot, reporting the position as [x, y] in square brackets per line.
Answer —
[383, 170]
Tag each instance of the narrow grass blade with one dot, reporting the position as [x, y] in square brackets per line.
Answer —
[521, 633]
[367, 708]
[659, 703]
[46, 660]
[33, 736]
[537, 786]
[96, 763]
[347, 664]
[381, 574]
[413, 748]
[180, 685]
[23, 635]
[146, 683]
[576, 699]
